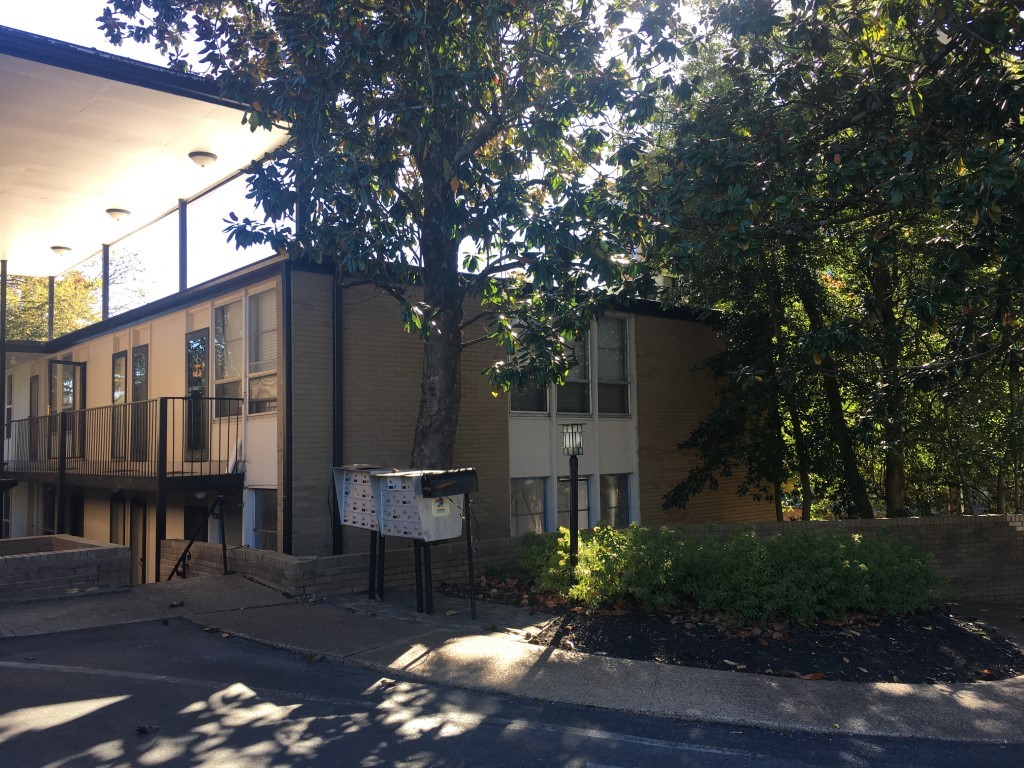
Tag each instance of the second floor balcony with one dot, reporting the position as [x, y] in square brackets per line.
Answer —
[173, 443]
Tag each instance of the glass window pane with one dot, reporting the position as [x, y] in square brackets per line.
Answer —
[532, 400]
[581, 370]
[527, 505]
[574, 398]
[263, 332]
[611, 350]
[613, 398]
[263, 394]
[227, 340]
[613, 366]
[564, 485]
[615, 500]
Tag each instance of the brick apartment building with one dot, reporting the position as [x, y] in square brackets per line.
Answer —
[248, 376]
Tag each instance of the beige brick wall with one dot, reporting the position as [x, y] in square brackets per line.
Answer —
[341, 574]
[673, 395]
[64, 565]
[381, 366]
[312, 414]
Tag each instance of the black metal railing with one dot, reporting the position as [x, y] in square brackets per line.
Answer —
[167, 436]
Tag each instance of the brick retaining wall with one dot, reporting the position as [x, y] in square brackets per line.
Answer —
[339, 574]
[981, 556]
[55, 566]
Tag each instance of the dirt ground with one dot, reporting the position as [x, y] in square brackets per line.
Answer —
[937, 646]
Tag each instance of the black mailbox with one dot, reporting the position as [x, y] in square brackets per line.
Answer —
[450, 482]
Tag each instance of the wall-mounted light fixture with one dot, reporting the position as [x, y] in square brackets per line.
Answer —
[202, 158]
[118, 213]
[60, 250]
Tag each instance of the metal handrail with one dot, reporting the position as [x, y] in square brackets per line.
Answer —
[198, 435]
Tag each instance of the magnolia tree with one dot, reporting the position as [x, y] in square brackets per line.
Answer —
[447, 151]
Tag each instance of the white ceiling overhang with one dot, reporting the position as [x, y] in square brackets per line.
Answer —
[82, 131]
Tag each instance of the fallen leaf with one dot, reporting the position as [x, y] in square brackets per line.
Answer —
[452, 613]
[863, 670]
[225, 634]
[312, 658]
[846, 660]
[813, 676]
[385, 683]
[144, 729]
[176, 604]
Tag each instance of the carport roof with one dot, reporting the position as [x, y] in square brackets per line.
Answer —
[84, 131]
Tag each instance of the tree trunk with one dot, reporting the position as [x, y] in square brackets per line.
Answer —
[801, 460]
[779, 516]
[882, 289]
[441, 382]
[840, 430]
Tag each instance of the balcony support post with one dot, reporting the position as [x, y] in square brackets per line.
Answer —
[51, 291]
[4, 394]
[161, 482]
[61, 514]
[105, 297]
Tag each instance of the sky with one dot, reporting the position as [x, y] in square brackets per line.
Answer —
[73, 21]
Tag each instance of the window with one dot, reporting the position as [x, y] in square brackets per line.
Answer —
[615, 500]
[9, 406]
[227, 349]
[5, 522]
[263, 352]
[529, 400]
[264, 520]
[583, 508]
[118, 398]
[574, 395]
[612, 366]
[528, 505]
[118, 520]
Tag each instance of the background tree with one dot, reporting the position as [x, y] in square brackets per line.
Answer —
[28, 305]
[436, 149]
[859, 184]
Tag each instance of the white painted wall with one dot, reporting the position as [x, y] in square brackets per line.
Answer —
[609, 442]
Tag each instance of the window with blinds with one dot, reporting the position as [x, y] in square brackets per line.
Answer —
[227, 353]
[574, 395]
[263, 352]
[612, 366]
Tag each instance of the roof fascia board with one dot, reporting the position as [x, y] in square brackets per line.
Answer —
[261, 270]
[89, 61]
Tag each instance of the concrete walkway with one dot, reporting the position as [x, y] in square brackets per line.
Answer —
[491, 654]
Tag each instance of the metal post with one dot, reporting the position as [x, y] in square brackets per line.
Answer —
[182, 245]
[380, 567]
[428, 578]
[469, 556]
[574, 523]
[60, 513]
[49, 318]
[106, 282]
[161, 483]
[3, 358]
[223, 536]
[371, 592]
[418, 566]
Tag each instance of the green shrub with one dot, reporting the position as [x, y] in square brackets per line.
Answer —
[628, 563]
[800, 576]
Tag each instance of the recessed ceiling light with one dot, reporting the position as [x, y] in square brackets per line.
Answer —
[118, 213]
[202, 159]
[60, 250]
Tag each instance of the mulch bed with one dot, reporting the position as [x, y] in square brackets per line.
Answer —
[931, 647]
